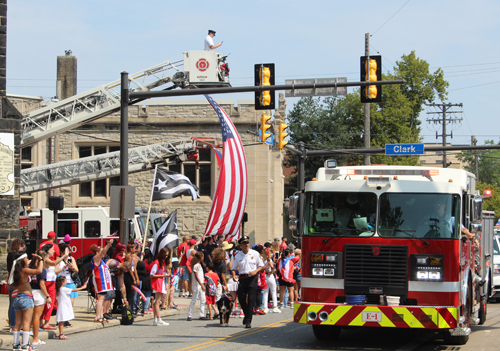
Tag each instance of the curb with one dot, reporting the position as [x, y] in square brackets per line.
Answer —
[6, 339]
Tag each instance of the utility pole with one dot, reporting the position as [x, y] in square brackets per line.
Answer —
[366, 157]
[444, 109]
[474, 143]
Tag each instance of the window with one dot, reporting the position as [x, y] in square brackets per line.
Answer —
[201, 176]
[26, 154]
[92, 229]
[67, 223]
[98, 188]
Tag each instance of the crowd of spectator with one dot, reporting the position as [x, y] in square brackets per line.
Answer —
[127, 279]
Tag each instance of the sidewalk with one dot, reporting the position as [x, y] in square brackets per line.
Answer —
[84, 321]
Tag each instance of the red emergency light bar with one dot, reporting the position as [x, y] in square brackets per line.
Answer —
[395, 172]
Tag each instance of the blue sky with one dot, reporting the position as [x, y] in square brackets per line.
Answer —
[305, 39]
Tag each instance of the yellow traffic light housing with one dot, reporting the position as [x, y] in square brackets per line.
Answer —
[282, 135]
[264, 76]
[371, 70]
[264, 127]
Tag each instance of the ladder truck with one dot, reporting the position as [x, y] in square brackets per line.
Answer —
[201, 69]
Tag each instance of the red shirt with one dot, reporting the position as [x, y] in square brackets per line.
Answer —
[182, 260]
[283, 246]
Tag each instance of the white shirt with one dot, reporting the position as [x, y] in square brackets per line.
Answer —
[247, 263]
[208, 42]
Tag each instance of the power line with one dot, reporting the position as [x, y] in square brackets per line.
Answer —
[390, 18]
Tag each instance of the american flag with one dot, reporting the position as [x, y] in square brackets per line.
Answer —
[230, 195]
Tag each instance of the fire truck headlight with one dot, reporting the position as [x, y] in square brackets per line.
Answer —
[422, 275]
[435, 275]
[317, 272]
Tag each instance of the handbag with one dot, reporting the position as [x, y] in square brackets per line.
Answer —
[76, 279]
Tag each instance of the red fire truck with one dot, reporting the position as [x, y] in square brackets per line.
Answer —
[87, 226]
[386, 246]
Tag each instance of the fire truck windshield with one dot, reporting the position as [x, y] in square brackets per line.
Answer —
[421, 215]
[400, 215]
[340, 213]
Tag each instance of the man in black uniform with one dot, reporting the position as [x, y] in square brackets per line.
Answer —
[249, 264]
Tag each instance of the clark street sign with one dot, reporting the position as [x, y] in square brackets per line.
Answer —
[404, 149]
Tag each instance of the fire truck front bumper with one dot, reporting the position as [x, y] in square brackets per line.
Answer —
[439, 317]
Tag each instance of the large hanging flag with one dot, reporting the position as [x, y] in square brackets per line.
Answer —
[167, 236]
[168, 184]
[230, 194]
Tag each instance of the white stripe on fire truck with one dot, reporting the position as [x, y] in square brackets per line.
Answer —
[322, 283]
[434, 286]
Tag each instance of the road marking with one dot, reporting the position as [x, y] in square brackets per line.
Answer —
[236, 336]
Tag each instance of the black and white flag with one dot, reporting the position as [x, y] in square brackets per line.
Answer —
[167, 236]
[168, 184]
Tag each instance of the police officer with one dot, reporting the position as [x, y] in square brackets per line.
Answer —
[249, 264]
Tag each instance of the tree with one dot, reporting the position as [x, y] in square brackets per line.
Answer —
[488, 165]
[338, 123]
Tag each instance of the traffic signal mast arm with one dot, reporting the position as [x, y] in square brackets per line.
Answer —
[224, 90]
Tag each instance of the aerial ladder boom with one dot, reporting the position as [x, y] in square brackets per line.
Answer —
[100, 166]
[86, 107]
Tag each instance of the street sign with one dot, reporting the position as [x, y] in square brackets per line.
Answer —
[404, 149]
[269, 140]
[331, 91]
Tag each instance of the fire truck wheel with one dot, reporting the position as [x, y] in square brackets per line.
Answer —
[482, 312]
[326, 332]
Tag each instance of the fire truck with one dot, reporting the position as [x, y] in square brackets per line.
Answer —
[391, 247]
[87, 226]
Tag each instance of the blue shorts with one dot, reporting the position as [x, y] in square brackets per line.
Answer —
[185, 274]
[22, 302]
[72, 286]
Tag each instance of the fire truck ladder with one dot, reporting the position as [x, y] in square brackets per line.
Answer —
[101, 166]
[83, 108]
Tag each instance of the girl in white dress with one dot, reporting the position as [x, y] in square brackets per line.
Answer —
[64, 306]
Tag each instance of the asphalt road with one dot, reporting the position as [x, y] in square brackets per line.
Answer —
[272, 331]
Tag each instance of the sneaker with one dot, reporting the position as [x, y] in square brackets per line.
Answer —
[16, 347]
[28, 347]
[161, 322]
[242, 315]
[276, 310]
[233, 314]
[291, 305]
[189, 319]
[180, 294]
[150, 309]
[266, 310]
[190, 296]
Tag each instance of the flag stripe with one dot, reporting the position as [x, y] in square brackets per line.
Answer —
[168, 184]
[231, 191]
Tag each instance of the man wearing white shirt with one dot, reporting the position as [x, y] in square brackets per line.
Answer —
[249, 264]
[209, 41]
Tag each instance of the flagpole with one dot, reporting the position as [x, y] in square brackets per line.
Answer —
[149, 212]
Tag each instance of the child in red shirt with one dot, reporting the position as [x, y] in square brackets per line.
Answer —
[212, 282]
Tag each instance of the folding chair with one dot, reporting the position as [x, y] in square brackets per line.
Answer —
[91, 303]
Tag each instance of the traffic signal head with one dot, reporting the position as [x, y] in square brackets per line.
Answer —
[282, 135]
[371, 70]
[264, 76]
[264, 127]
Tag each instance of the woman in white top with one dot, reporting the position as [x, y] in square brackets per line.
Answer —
[68, 266]
[53, 270]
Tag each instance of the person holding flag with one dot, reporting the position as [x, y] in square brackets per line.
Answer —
[285, 280]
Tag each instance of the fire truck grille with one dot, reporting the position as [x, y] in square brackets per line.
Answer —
[369, 267]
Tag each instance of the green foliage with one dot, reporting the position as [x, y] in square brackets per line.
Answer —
[338, 123]
[488, 163]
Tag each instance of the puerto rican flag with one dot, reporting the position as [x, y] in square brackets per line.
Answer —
[286, 269]
[230, 194]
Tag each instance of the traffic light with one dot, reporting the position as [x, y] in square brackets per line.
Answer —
[264, 127]
[264, 75]
[282, 135]
[373, 73]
